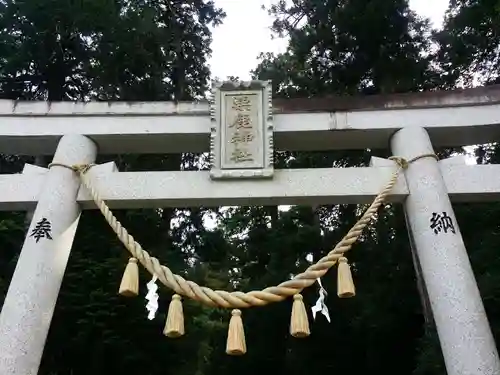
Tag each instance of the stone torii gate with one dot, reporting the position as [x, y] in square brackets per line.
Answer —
[241, 127]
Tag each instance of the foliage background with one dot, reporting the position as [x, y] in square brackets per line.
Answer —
[157, 50]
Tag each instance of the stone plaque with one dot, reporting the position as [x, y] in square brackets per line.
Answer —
[241, 140]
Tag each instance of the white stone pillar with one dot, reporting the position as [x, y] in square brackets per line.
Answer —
[29, 305]
[464, 332]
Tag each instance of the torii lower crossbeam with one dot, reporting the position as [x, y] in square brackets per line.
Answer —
[129, 190]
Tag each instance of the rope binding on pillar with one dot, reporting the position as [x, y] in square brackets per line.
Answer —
[299, 325]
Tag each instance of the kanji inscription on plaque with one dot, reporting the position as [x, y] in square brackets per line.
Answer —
[241, 132]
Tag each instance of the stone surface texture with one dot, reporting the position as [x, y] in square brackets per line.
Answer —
[241, 132]
[466, 339]
[32, 295]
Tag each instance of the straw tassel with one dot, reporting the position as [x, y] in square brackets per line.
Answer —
[129, 286]
[236, 336]
[299, 324]
[345, 285]
[174, 327]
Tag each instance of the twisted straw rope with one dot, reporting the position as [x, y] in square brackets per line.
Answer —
[237, 299]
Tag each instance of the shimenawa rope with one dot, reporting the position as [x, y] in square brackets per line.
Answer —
[238, 299]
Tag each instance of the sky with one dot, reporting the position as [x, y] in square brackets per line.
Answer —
[245, 33]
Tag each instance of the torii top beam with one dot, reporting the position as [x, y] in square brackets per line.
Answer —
[452, 118]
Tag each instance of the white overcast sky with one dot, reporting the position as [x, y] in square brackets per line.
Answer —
[245, 33]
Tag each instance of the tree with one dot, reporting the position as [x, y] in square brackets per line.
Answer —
[348, 47]
[469, 42]
[109, 50]
[113, 50]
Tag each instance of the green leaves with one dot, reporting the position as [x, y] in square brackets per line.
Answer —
[469, 42]
[346, 47]
[106, 50]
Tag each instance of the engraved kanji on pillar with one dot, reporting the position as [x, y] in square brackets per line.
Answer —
[241, 141]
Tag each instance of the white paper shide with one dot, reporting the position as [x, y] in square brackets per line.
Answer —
[152, 298]
[320, 306]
